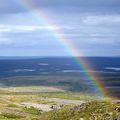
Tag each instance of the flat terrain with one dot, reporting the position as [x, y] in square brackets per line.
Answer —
[57, 83]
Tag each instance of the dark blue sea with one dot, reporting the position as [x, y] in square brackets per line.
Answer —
[106, 67]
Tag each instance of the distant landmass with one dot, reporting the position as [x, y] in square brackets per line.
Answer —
[59, 71]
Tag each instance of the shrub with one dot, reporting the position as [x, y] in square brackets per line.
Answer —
[32, 110]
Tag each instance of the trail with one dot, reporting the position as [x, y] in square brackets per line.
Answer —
[65, 101]
[56, 104]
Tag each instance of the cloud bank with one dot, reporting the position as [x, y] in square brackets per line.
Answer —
[85, 24]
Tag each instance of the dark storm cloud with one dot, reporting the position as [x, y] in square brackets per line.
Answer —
[81, 6]
[87, 23]
[75, 2]
[10, 6]
[15, 6]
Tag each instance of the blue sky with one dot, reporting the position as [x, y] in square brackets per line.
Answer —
[92, 26]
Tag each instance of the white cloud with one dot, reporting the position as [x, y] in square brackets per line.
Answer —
[101, 19]
[5, 29]
[25, 28]
[5, 41]
[34, 28]
[99, 41]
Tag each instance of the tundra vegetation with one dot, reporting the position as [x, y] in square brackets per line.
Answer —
[52, 103]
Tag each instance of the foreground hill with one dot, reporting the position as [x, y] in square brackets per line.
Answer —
[95, 110]
[47, 103]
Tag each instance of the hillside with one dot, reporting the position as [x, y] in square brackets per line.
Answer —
[48, 103]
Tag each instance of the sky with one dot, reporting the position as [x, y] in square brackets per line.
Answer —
[41, 27]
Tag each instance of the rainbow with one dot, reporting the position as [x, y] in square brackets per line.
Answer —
[43, 18]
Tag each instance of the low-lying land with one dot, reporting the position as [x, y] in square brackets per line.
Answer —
[58, 82]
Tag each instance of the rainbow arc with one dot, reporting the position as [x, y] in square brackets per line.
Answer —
[44, 19]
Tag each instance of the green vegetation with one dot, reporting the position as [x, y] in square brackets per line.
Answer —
[69, 95]
[96, 110]
[32, 110]
[21, 103]
[9, 116]
[45, 83]
[12, 105]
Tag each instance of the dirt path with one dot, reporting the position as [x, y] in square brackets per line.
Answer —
[65, 101]
[57, 101]
[43, 107]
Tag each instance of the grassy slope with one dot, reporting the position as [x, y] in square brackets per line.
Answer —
[9, 110]
[98, 110]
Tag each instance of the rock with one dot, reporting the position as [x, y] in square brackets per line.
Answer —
[81, 119]
[55, 107]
